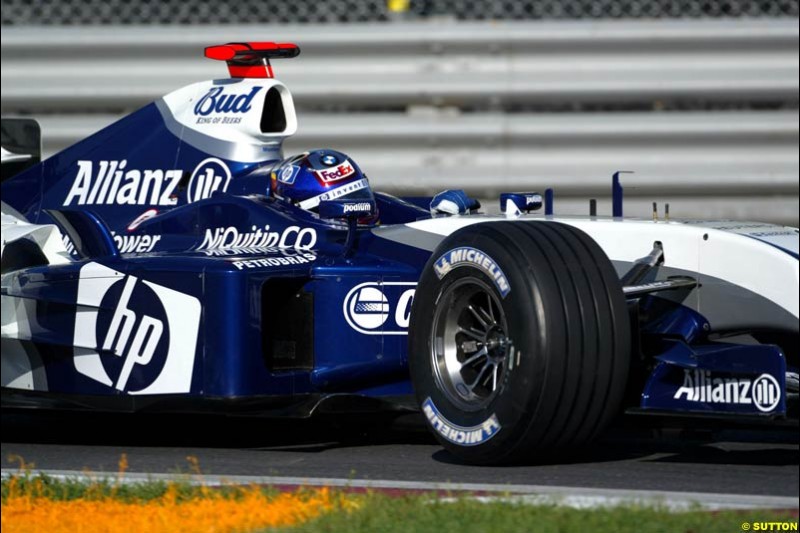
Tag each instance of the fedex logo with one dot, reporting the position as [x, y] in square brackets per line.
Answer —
[216, 101]
[341, 171]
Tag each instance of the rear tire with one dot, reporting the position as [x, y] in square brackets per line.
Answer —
[519, 342]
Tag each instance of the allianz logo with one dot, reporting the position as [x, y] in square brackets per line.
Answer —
[764, 392]
[216, 101]
[210, 176]
[112, 183]
[231, 237]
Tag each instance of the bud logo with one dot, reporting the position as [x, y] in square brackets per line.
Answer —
[111, 184]
[231, 237]
[209, 176]
[216, 101]
[141, 333]
[340, 172]
[698, 386]
[367, 308]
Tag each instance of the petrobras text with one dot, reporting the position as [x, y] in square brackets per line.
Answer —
[466, 256]
[282, 260]
[341, 171]
[111, 183]
[231, 237]
[764, 392]
[463, 436]
[216, 101]
[374, 308]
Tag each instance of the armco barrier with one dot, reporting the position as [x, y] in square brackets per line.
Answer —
[427, 106]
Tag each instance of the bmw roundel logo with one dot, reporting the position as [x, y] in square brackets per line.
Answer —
[329, 159]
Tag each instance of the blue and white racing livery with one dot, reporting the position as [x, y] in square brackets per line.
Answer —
[166, 264]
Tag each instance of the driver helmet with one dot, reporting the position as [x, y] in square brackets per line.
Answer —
[307, 179]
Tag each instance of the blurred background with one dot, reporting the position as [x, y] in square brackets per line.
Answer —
[698, 97]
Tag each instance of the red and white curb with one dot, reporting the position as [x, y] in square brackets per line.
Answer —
[575, 497]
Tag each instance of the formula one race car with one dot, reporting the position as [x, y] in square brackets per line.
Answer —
[176, 262]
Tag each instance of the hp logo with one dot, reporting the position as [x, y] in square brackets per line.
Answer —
[133, 335]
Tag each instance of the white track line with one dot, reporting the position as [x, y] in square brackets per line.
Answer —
[577, 497]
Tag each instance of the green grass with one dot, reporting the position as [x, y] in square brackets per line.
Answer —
[70, 489]
[41, 485]
[420, 514]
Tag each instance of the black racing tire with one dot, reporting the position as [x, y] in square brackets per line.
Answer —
[557, 353]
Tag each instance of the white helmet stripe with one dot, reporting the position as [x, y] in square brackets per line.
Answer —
[338, 192]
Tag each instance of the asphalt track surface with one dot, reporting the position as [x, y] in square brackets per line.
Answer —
[725, 462]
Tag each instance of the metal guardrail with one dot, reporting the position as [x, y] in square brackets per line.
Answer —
[493, 64]
[722, 164]
[741, 164]
[704, 153]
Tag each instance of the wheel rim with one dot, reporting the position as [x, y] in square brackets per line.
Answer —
[469, 344]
